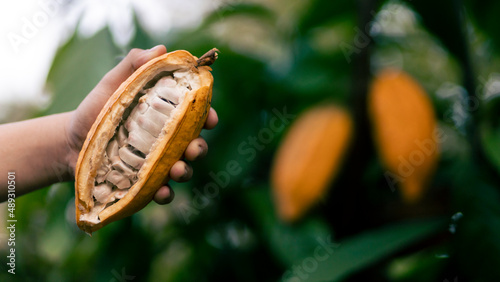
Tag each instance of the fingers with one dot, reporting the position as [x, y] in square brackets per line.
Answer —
[197, 149]
[212, 119]
[134, 59]
[181, 172]
[144, 56]
[164, 195]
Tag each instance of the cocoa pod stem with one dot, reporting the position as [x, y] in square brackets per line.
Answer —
[208, 58]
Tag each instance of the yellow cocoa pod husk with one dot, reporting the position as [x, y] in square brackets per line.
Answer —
[404, 131]
[143, 129]
[308, 159]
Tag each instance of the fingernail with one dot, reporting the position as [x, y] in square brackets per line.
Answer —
[200, 154]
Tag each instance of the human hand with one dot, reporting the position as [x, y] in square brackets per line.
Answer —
[83, 117]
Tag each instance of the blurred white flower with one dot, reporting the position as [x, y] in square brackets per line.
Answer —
[155, 16]
[33, 30]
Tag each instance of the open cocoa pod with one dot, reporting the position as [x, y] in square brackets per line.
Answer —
[143, 129]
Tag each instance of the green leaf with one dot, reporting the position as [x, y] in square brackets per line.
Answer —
[363, 250]
[425, 265]
[288, 243]
[77, 68]
[322, 11]
[241, 9]
[292, 243]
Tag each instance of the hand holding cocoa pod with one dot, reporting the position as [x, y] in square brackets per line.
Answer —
[43, 151]
[157, 94]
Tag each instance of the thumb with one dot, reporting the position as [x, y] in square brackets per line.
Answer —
[134, 59]
[90, 107]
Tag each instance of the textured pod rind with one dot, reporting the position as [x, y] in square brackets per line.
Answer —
[308, 159]
[168, 149]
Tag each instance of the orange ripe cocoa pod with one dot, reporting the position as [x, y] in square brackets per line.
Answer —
[308, 159]
[140, 133]
[404, 131]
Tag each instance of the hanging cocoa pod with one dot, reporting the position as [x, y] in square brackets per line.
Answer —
[404, 130]
[143, 129]
[308, 159]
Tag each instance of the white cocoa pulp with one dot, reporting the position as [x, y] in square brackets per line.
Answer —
[134, 137]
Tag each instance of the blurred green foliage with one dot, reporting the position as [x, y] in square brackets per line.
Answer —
[289, 54]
